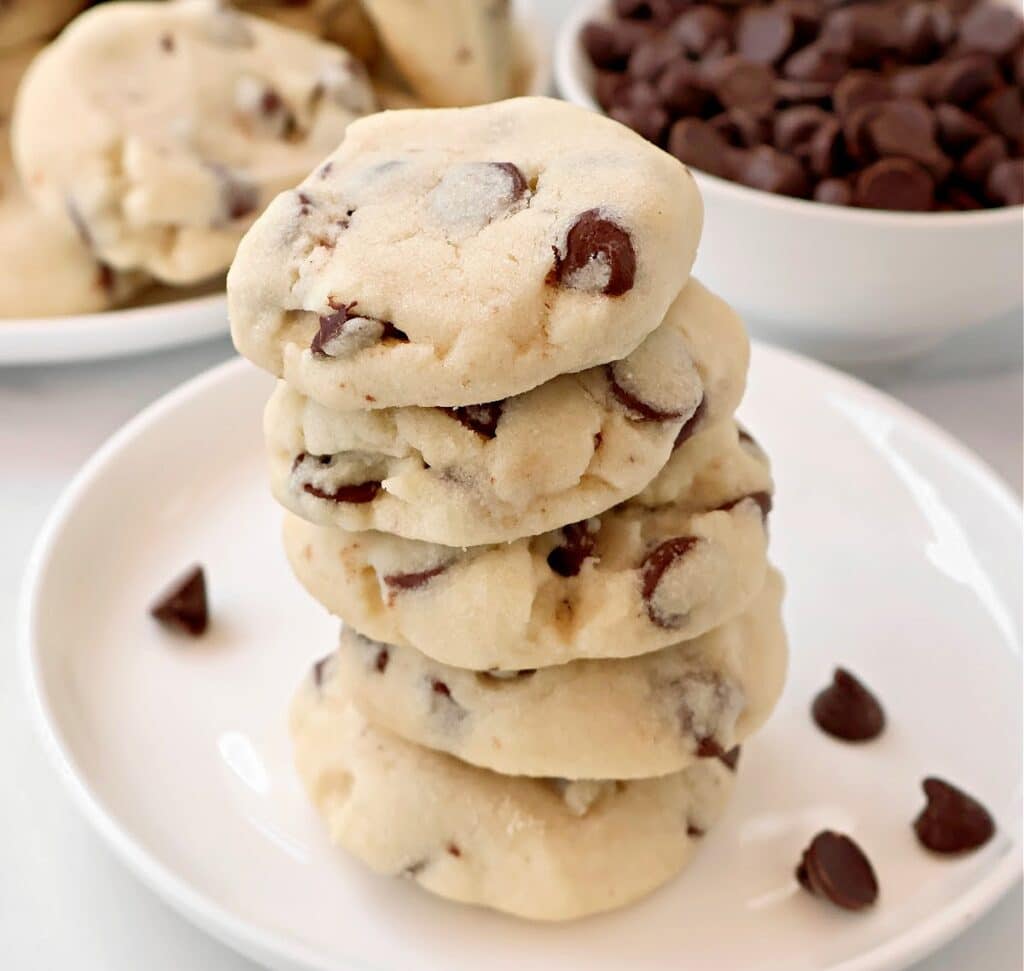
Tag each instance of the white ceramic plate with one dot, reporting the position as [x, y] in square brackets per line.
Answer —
[903, 559]
[115, 333]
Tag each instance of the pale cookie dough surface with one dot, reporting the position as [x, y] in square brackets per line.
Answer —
[451, 52]
[22, 21]
[624, 583]
[344, 22]
[161, 130]
[452, 257]
[47, 269]
[542, 849]
[610, 719]
[565, 451]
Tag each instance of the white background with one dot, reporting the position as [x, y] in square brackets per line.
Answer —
[64, 902]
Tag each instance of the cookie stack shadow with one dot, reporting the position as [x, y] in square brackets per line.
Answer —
[506, 444]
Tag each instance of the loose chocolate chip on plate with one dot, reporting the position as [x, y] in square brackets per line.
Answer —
[952, 821]
[482, 419]
[846, 709]
[183, 604]
[599, 256]
[835, 868]
[652, 571]
[579, 540]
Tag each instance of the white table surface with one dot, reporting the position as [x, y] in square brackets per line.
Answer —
[65, 903]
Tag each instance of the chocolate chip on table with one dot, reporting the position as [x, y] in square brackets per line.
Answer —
[901, 90]
[579, 541]
[652, 572]
[847, 710]
[834, 867]
[952, 821]
[598, 258]
[482, 419]
[183, 605]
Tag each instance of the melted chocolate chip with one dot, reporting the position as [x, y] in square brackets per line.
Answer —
[183, 604]
[356, 493]
[692, 424]
[482, 419]
[413, 581]
[654, 567]
[835, 868]
[642, 411]
[333, 326]
[846, 709]
[952, 821]
[578, 543]
[318, 670]
[599, 256]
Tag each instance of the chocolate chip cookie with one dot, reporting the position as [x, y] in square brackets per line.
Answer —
[454, 257]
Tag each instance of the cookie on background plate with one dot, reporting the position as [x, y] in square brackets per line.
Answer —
[22, 21]
[48, 270]
[632, 580]
[343, 22]
[180, 121]
[564, 451]
[458, 256]
[610, 719]
[547, 849]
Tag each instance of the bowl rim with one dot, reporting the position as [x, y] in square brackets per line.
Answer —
[574, 87]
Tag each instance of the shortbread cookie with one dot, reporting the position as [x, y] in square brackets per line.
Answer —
[610, 719]
[451, 52]
[542, 849]
[453, 257]
[624, 583]
[490, 473]
[188, 118]
[22, 21]
[47, 269]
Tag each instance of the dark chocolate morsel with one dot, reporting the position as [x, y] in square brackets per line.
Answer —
[183, 605]
[846, 709]
[578, 543]
[952, 821]
[835, 868]
[596, 239]
[653, 569]
[482, 419]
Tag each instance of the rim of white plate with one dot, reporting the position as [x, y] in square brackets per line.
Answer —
[254, 941]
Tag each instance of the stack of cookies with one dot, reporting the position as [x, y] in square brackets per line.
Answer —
[504, 436]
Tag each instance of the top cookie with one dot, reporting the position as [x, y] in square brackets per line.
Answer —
[450, 257]
[160, 130]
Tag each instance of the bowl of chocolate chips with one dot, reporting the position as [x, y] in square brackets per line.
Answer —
[862, 163]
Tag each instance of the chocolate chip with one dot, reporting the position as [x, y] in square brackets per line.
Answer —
[814, 63]
[1005, 182]
[738, 83]
[765, 168]
[763, 500]
[1004, 111]
[440, 688]
[699, 28]
[343, 331]
[957, 130]
[105, 277]
[802, 92]
[183, 605]
[846, 709]
[708, 748]
[764, 34]
[619, 376]
[650, 57]
[609, 46]
[695, 831]
[743, 128]
[991, 28]
[167, 43]
[836, 192]
[731, 758]
[357, 493]
[793, 127]
[415, 580]
[927, 28]
[895, 183]
[696, 143]
[610, 88]
[680, 88]
[579, 540]
[380, 661]
[952, 821]
[482, 419]
[978, 162]
[239, 197]
[859, 88]
[318, 670]
[692, 424]
[652, 571]
[965, 79]
[453, 850]
[640, 108]
[598, 258]
[834, 867]
[906, 129]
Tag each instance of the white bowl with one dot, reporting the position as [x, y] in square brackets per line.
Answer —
[852, 286]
